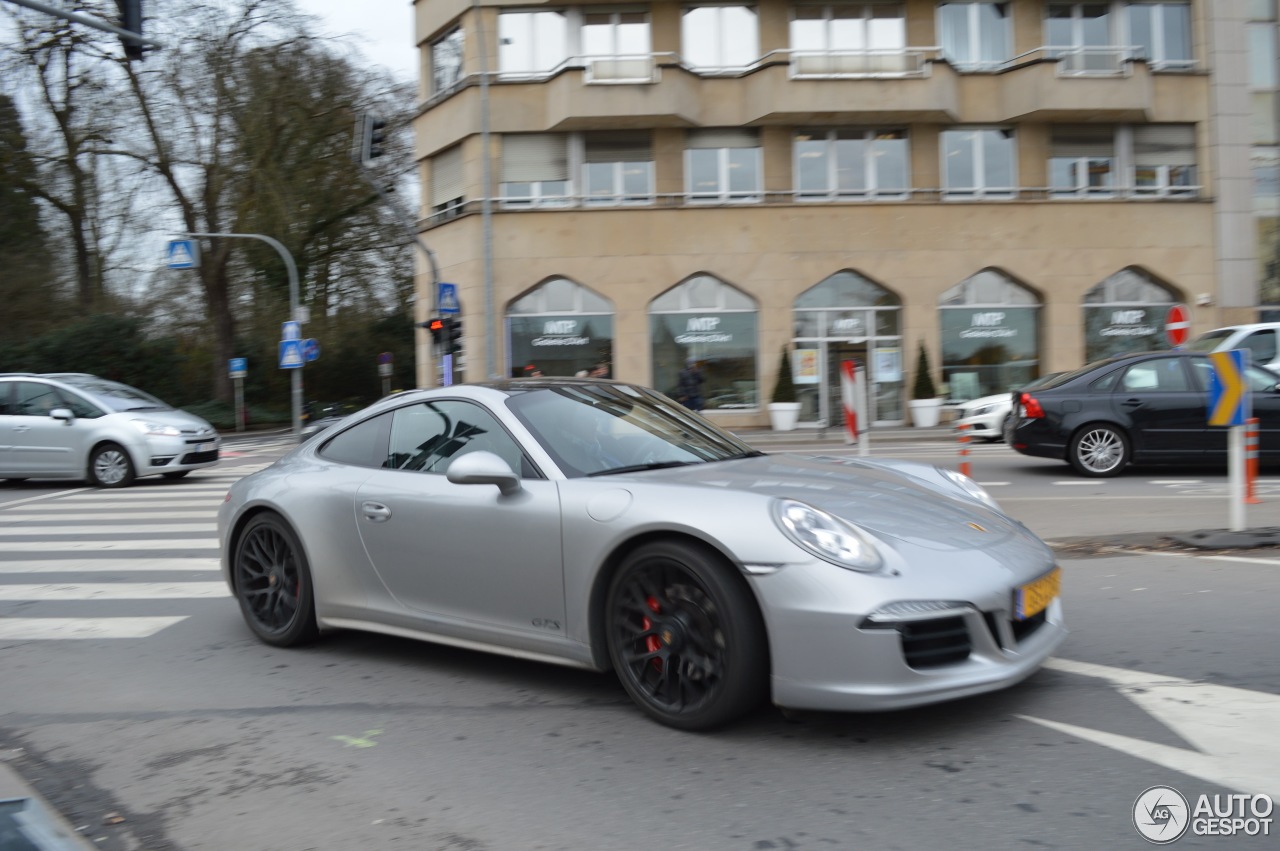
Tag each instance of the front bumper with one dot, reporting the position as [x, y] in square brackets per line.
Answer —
[159, 454]
[833, 660]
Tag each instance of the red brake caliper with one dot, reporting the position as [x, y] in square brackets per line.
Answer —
[651, 642]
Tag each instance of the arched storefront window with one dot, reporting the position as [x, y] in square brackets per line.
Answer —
[990, 335]
[847, 317]
[706, 320]
[559, 328]
[1125, 313]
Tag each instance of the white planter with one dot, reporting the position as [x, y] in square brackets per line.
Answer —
[783, 415]
[925, 412]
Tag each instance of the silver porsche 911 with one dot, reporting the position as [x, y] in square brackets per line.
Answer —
[601, 525]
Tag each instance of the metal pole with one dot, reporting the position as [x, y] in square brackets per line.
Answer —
[295, 380]
[77, 18]
[1235, 463]
[486, 205]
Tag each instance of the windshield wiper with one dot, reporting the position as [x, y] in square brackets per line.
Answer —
[635, 468]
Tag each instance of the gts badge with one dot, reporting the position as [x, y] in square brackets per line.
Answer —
[546, 623]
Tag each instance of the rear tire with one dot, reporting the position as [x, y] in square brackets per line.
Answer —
[686, 637]
[1099, 451]
[110, 466]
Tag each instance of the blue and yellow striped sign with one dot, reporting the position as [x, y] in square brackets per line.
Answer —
[1228, 391]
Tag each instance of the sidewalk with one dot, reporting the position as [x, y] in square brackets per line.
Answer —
[28, 822]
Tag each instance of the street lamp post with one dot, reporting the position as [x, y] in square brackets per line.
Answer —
[295, 379]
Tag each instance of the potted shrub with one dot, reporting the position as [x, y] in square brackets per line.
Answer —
[925, 404]
[784, 410]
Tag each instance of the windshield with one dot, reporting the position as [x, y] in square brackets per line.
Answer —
[596, 429]
[114, 395]
[1209, 341]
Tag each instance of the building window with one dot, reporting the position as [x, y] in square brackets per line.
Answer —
[979, 163]
[446, 62]
[535, 170]
[531, 44]
[1125, 313]
[723, 166]
[851, 164]
[1164, 160]
[559, 328]
[706, 320]
[716, 38]
[975, 36]
[617, 168]
[447, 183]
[616, 46]
[1079, 36]
[1162, 34]
[990, 336]
[1082, 161]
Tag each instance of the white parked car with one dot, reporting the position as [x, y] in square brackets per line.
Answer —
[77, 426]
[1262, 339]
[988, 416]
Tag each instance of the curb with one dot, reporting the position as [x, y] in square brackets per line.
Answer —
[29, 820]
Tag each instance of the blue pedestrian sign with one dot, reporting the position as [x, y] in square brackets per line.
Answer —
[183, 254]
[291, 356]
[238, 367]
[447, 299]
[310, 349]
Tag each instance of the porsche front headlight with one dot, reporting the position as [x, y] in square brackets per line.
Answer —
[826, 536]
[969, 486]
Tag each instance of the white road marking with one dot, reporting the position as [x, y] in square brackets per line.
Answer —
[109, 565]
[42, 629]
[40, 498]
[1177, 482]
[116, 591]
[147, 544]
[1075, 484]
[994, 484]
[8, 531]
[184, 514]
[1231, 729]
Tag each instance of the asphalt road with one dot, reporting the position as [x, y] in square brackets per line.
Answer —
[196, 736]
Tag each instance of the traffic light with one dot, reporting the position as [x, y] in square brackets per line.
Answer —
[436, 326]
[453, 334]
[131, 20]
[371, 136]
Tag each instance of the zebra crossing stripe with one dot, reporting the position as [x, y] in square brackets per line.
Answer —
[59, 517]
[11, 531]
[42, 629]
[77, 546]
[110, 565]
[116, 591]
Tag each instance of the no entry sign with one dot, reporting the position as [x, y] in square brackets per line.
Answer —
[1177, 325]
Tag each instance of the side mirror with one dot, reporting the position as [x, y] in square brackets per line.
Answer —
[483, 468]
[63, 414]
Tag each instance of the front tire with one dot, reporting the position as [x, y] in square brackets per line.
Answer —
[273, 583]
[110, 466]
[686, 637]
[1099, 451]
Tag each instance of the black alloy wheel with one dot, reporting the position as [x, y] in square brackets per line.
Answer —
[686, 636]
[273, 583]
[1099, 451]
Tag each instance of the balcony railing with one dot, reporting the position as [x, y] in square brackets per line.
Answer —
[1109, 60]
[872, 62]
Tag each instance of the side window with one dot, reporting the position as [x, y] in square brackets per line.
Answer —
[1106, 383]
[1261, 346]
[428, 436]
[6, 390]
[82, 409]
[1202, 370]
[1260, 380]
[364, 445]
[1164, 375]
[36, 400]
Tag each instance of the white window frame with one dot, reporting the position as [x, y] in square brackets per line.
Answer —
[722, 193]
[975, 40]
[1159, 60]
[720, 46]
[1162, 187]
[980, 191]
[437, 67]
[540, 193]
[619, 195]
[530, 31]
[1075, 57]
[870, 172]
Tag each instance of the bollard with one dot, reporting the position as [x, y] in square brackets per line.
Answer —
[964, 449]
[1251, 461]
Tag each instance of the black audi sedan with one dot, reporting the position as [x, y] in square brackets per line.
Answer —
[1148, 407]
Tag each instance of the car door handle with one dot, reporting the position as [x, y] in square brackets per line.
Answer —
[1133, 403]
[375, 511]
[21, 428]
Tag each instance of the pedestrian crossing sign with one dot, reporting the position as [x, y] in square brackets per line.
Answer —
[291, 354]
[183, 254]
[447, 301]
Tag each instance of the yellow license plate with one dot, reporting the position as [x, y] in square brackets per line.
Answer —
[1033, 598]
